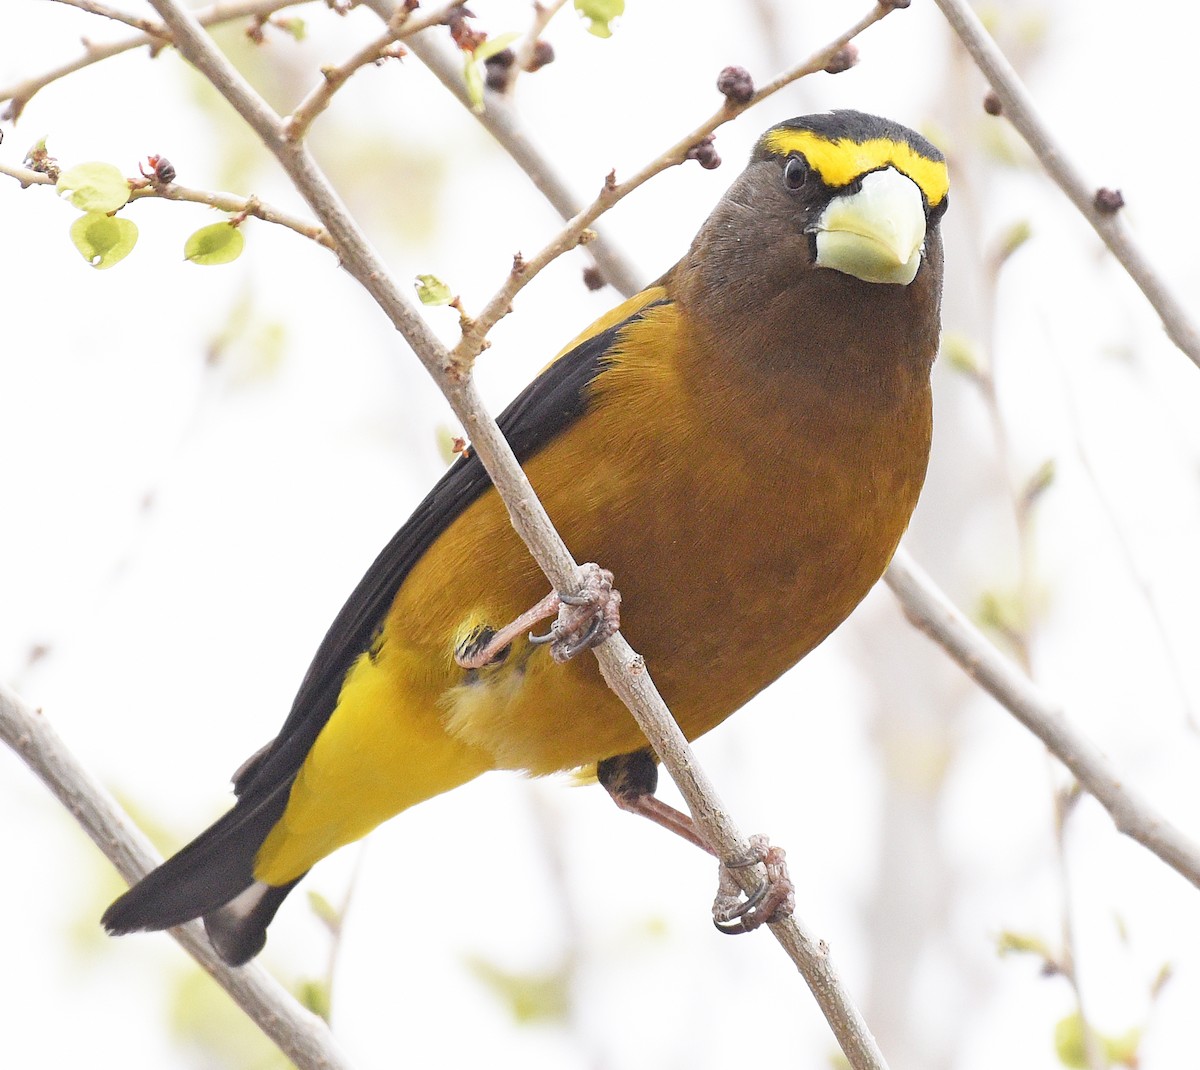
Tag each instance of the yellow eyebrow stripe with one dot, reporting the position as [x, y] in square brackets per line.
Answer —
[840, 162]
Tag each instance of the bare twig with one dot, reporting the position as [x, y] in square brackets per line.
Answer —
[933, 613]
[157, 37]
[226, 202]
[575, 232]
[523, 50]
[402, 24]
[504, 123]
[1099, 211]
[92, 7]
[302, 1036]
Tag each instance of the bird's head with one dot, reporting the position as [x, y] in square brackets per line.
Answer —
[866, 191]
[835, 218]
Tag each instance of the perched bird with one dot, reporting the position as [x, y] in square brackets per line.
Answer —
[742, 445]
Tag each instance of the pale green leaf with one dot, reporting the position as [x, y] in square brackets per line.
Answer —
[492, 46]
[315, 996]
[296, 27]
[325, 911]
[94, 187]
[1013, 943]
[962, 354]
[600, 13]
[218, 243]
[528, 997]
[432, 291]
[1069, 1042]
[103, 240]
[473, 80]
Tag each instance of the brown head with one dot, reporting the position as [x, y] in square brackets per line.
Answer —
[826, 250]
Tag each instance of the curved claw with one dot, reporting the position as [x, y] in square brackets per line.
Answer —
[772, 900]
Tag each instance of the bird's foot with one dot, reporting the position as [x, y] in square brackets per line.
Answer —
[585, 620]
[772, 900]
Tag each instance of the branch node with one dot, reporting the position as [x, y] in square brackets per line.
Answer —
[1108, 200]
[736, 86]
[992, 103]
[704, 153]
[843, 59]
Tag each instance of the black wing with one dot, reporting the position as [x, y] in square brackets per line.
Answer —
[553, 401]
[218, 864]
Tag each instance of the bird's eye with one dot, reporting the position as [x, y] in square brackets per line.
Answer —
[795, 171]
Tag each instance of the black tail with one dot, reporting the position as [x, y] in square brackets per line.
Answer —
[214, 871]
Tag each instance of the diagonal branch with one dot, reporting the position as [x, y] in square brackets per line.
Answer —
[933, 613]
[302, 1036]
[402, 24]
[476, 331]
[156, 36]
[1100, 211]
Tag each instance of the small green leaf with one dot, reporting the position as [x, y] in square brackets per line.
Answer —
[218, 243]
[473, 71]
[316, 997]
[325, 911]
[493, 46]
[94, 187]
[473, 79]
[1071, 1046]
[1038, 483]
[1069, 1042]
[599, 14]
[1161, 979]
[962, 354]
[103, 240]
[1123, 1050]
[432, 291]
[529, 997]
[1011, 943]
[296, 27]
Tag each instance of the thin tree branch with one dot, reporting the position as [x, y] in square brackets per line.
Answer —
[1103, 215]
[504, 123]
[302, 1036]
[403, 23]
[17, 96]
[575, 232]
[225, 202]
[933, 613]
[523, 50]
[92, 7]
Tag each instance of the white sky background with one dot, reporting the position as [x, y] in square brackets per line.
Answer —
[177, 633]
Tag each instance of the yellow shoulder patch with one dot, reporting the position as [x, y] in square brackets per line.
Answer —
[839, 162]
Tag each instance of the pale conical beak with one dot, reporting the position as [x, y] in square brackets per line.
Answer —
[876, 234]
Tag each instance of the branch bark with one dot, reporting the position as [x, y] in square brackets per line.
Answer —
[156, 37]
[934, 614]
[1020, 110]
[302, 1037]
